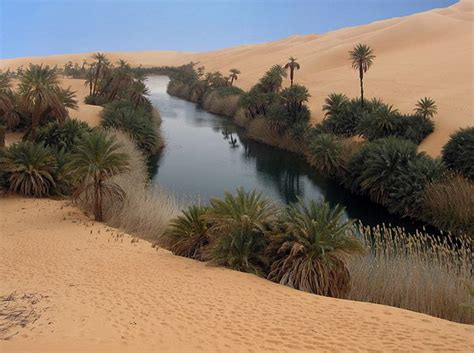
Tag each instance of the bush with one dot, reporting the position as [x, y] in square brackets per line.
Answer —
[136, 122]
[239, 229]
[309, 253]
[226, 105]
[375, 168]
[188, 234]
[458, 153]
[449, 205]
[29, 169]
[325, 153]
[345, 119]
[62, 136]
[95, 100]
[414, 127]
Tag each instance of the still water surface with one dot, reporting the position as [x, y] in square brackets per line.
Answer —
[206, 154]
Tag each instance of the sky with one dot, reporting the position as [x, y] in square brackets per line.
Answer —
[44, 27]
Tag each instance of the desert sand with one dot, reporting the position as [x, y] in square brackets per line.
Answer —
[79, 285]
[425, 54]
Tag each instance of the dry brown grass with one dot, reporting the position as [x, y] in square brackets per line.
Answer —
[222, 105]
[147, 208]
[414, 272]
[449, 204]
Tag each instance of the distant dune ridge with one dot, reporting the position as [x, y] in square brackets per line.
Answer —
[425, 54]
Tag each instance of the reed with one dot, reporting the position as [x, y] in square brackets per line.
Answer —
[419, 272]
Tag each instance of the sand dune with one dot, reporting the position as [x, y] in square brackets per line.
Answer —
[425, 54]
[85, 286]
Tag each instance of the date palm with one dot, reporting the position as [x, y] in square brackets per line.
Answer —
[101, 61]
[38, 91]
[272, 81]
[292, 65]
[426, 107]
[7, 103]
[362, 57]
[334, 104]
[310, 253]
[233, 75]
[95, 161]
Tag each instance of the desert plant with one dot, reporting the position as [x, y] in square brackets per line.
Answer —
[335, 104]
[292, 65]
[343, 117]
[426, 107]
[239, 226]
[94, 162]
[324, 152]
[458, 153]
[449, 204]
[29, 169]
[309, 253]
[233, 75]
[362, 57]
[62, 136]
[188, 234]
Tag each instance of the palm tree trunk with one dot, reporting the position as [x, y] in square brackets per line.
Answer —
[361, 77]
[97, 201]
[291, 76]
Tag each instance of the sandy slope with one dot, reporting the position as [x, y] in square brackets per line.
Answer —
[87, 286]
[426, 54]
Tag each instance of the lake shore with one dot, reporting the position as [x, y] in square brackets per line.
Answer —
[97, 288]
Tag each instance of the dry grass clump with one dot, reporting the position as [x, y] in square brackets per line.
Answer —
[226, 105]
[147, 209]
[241, 119]
[417, 272]
[260, 129]
[449, 204]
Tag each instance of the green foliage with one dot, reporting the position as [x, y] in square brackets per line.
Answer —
[334, 104]
[136, 122]
[343, 116]
[62, 136]
[458, 153]
[29, 169]
[239, 230]
[426, 107]
[374, 169]
[188, 234]
[308, 252]
[325, 153]
[96, 159]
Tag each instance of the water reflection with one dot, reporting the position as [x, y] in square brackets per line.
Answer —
[206, 155]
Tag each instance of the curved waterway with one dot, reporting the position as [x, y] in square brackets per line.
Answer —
[206, 154]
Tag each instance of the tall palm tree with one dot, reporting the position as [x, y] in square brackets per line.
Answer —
[272, 81]
[96, 160]
[138, 92]
[309, 254]
[292, 65]
[233, 75]
[101, 61]
[362, 57]
[38, 90]
[7, 103]
[293, 97]
[426, 107]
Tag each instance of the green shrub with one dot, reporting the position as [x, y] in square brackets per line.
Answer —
[325, 154]
[95, 100]
[458, 153]
[414, 127]
[188, 234]
[309, 253]
[374, 169]
[239, 229]
[136, 122]
[345, 119]
[29, 169]
[62, 136]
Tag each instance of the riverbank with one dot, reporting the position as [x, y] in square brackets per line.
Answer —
[100, 289]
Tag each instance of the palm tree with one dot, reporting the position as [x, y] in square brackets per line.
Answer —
[8, 113]
[239, 226]
[362, 57]
[101, 61]
[29, 168]
[38, 90]
[96, 160]
[233, 75]
[426, 107]
[293, 98]
[188, 234]
[325, 153]
[272, 81]
[334, 104]
[138, 92]
[292, 65]
[309, 255]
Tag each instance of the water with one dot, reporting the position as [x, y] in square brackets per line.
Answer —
[206, 154]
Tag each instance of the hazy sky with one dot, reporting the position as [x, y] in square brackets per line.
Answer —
[40, 27]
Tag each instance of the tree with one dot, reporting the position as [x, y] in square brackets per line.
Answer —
[8, 114]
[42, 96]
[292, 65]
[101, 61]
[334, 104]
[272, 81]
[362, 57]
[293, 98]
[426, 107]
[309, 254]
[95, 161]
[233, 75]
[458, 153]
